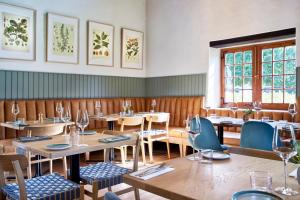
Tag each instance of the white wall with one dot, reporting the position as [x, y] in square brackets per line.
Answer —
[179, 31]
[120, 13]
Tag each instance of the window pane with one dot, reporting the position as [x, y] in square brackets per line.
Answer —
[229, 59]
[248, 56]
[266, 96]
[238, 70]
[238, 83]
[290, 52]
[247, 70]
[228, 95]
[267, 68]
[277, 96]
[229, 83]
[238, 58]
[267, 82]
[229, 71]
[267, 55]
[278, 53]
[238, 96]
[289, 96]
[290, 67]
[247, 95]
[278, 67]
[247, 83]
[290, 81]
[278, 82]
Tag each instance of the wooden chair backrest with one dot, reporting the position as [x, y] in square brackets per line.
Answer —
[54, 129]
[131, 121]
[254, 153]
[136, 144]
[158, 118]
[16, 163]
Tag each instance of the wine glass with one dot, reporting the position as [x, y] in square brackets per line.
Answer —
[15, 110]
[82, 120]
[285, 146]
[153, 104]
[67, 115]
[59, 109]
[234, 108]
[257, 107]
[194, 131]
[207, 108]
[98, 108]
[292, 110]
[124, 106]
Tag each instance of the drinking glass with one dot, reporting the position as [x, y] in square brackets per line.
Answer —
[15, 110]
[59, 109]
[67, 116]
[207, 108]
[285, 146]
[292, 110]
[153, 104]
[261, 180]
[194, 131]
[257, 107]
[234, 108]
[82, 120]
[124, 106]
[98, 108]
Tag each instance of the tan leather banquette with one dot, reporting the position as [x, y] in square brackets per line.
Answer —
[178, 107]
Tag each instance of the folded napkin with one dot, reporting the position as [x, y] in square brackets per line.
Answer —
[33, 138]
[114, 139]
[152, 174]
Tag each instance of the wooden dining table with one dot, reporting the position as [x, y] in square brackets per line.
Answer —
[192, 180]
[88, 143]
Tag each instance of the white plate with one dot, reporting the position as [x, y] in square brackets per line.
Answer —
[217, 155]
[57, 147]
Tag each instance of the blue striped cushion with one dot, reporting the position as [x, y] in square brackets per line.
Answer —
[52, 186]
[152, 132]
[106, 174]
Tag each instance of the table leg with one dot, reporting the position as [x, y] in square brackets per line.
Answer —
[111, 125]
[221, 134]
[75, 168]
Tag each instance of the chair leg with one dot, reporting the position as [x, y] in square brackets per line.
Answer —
[65, 166]
[136, 194]
[150, 146]
[122, 155]
[180, 150]
[168, 149]
[104, 153]
[143, 151]
[81, 191]
[51, 166]
[87, 156]
[184, 150]
[133, 152]
[94, 191]
[29, 173]
[125, 153]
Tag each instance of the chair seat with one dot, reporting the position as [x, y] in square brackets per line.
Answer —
[51, 186]
[152, 133]
[106, 174]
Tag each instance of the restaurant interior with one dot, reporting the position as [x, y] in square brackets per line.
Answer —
[149, 99]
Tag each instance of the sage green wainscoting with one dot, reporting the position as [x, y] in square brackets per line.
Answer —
[183, 85]
[40, 85]
[298, 81]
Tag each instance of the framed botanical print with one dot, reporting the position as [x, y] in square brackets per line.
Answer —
[17, 32]
[100, 44]
[62, 38]
[132, 49]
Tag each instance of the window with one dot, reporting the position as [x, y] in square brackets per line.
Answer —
[264, 73]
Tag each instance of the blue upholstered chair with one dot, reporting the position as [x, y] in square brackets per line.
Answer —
[257, 135]
[208, 138]
[111, 196]
[52, 186]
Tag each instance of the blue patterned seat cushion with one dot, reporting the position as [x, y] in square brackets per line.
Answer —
[52, 186]
[106, 174]
[152, 132]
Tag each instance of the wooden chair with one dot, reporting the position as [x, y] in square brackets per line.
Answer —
[52, 186]
[107, 174]
[131, 121]
[49, 130]
[152, 135]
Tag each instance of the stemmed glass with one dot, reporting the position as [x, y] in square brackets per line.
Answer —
[15, 110]
[292, 110]
[98, 108]
[59, 109]
[194, 129]
[207, 108]
[153, 104]
[67, 114]
[285, 146]
[82, 120]
[257, 107]
[234, 108]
